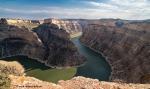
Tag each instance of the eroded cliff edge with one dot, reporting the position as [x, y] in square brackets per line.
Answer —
[71, 26]
[125, 45]
[47, 44]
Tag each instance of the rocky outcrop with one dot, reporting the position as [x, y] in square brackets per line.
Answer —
[7, 68]
[48, 44]
[17, 21]
[13, 21]
[24, 23]
[125, 45]
[60, 51]
[14, 68]
[73, 27]
[22, 82]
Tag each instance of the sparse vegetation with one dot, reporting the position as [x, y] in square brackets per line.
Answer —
[4, 81]
[7, 68]
[11, 68]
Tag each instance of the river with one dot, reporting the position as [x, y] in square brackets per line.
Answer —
[96, 66]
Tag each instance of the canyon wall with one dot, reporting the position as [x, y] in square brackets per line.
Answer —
[15, 21]
[47, 44]
[125, 45]
[30, 24]
[60, 51]
[71, 26]
[19, 41]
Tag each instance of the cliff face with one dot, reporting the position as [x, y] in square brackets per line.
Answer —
[125, 44]
[72, 27]
[60, 51]
[24, 23]
[19, 41]
[126, 47]
[48, 44]
[16, 21]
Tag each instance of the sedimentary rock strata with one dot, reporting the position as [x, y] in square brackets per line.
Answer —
[125, 44]
[126, 48]
[60, 51]
[73, 27]
[48, 44]
[24, 23]
[19, 41]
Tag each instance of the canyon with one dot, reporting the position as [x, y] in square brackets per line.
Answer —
[71, 26]
[60, 51]
[39, 44]
[125, 44]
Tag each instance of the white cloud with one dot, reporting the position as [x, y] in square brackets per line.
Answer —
[130, 9]
[124, 9]
[97, 4]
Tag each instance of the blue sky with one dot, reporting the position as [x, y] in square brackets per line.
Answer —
[85, 9]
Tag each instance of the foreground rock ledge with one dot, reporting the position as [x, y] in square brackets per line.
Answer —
[22, 82]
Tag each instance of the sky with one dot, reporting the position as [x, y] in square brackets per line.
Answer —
[75, 9]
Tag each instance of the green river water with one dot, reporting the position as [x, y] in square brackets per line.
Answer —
[96, 66]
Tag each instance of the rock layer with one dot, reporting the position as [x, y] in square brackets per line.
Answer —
[125, 44]
[71, 26]
[19, 41]
[126, 48]
[24, 23]
[48, 44]
[60, 51]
